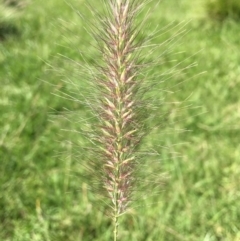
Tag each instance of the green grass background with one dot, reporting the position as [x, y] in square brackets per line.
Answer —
[42, 194]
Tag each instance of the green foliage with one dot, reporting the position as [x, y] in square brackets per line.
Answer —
[9, 8]
[9, 13]
[222, 9]
[42, 197]
[5, 12]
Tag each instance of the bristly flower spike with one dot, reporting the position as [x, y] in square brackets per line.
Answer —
[119, 105]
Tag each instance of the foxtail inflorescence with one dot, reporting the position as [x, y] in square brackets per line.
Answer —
[119, 104]
[121, 107]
